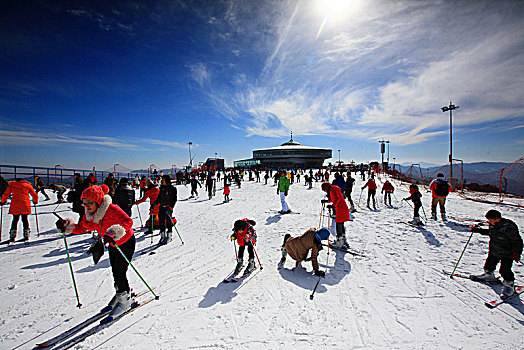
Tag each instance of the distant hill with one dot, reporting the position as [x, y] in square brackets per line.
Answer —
[474, 168]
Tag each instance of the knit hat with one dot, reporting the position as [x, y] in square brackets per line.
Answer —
[95, 193]
[321, 234]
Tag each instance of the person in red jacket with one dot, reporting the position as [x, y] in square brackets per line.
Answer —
[440, 189]
[334, 195]
[151, 193]
[372, 189]
[387, 190]
[20, 206]
[115, 228]
[246, 236]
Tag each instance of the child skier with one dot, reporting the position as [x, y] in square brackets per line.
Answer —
[227, 190]
[417, 203]
[387, 190]
[20, 206]
[194, 183]
[298, 248]
[505, 245]
[246, 236]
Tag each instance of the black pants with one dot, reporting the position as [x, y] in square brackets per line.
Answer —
[387, 195]
[505, 266]
[14, 224]
[164, 218]
[250, 251]
[341, 230]
[371, 194]
[348, 196]
[416, 207]
[119, 265]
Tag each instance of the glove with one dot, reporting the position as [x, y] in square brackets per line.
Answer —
[233, 236]
[320, 273]
[476, 228]
[109, 237]
[323, 201]
[515, 256]
[330, 206]
[61, 225]
[285, 193]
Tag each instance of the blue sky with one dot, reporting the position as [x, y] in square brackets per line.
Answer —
[94, 83]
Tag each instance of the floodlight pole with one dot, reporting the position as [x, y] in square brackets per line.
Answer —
[450, 108]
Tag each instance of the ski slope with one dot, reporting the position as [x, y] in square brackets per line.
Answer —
[394, 298]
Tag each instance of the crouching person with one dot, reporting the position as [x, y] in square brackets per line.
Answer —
[115, 228]
[299, 247]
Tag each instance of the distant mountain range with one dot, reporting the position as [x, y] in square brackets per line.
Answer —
[475, 168]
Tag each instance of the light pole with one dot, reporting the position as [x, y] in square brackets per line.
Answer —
[382, 150]
[56, 166]
[190, 159]
[394, 163]
[114, 167]
[338, 157]
[388, 150]
[450, 108]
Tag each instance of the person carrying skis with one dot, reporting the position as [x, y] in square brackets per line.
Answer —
[125, 196]
[166, 200]
[340, 207]
[350, 181]
[246, 236]
[387, 190]
[40, 187]
[440, 189]
[299, 247]
[151, 192]
[505, 246]
[372, 189]
[115, 228]
[194, 183]
[416, 197]
[20, 206]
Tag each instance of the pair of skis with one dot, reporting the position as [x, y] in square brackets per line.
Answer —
[349, 251]
[491, 303]
[235, 277]
[82, 325]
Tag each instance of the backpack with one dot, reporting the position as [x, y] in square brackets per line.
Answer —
[442, 188]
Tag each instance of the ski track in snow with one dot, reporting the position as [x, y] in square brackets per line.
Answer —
[396, 297]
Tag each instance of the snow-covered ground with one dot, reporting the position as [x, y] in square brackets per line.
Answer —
[395, 298]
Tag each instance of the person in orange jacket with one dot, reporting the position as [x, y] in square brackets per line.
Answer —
[334, 195]
[246, 236]
[372, 190]
[115, 228]
[387, 190]
[151, 193]
[20, 206]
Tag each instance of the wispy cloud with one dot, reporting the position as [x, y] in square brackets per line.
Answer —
[378, 72]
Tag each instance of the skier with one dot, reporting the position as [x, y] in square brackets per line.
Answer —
[3, 185]
[282, 190]
[209, 185]
[194, 183]
[266, 177]
[76, 195]
[416, 197]
[143, 186]
[227, 190]
[349, 188]
[60, 190]
[341, 212]
[245, 235]
[20, 206]
[111, 183]
[339, 181]
[151, 192]
[387, 190]
[440, 189]
[505, 245]
[125, 196]
[115, 228]
[372, 189]
[39, 186]
[166, 201]
[298, 248]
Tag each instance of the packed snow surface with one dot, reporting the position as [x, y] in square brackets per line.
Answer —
[396, 297]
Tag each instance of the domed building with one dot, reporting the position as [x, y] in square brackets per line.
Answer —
[289, 155]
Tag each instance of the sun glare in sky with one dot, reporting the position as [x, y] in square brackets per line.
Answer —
[335, 10]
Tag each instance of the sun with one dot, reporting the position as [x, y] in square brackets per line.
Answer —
[334, 6]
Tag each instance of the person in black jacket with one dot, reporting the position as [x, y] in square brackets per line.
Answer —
[349, 188]
[125, 196]
[166, 201]
[505, 246]
[77, 190]
[3, 185]
[416, 197]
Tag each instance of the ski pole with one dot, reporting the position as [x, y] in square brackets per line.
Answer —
[79, 305]
[152, 219]
[59, 203]
[321, 212]
[36, 216]
[319, 277]
[463, 250]
[139, 216]
[174, 225]
[1, 219]
[256, 255]
[424, 211]
[129, 262]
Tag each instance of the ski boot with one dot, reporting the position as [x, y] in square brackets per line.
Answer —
[123, 303]
[434, 216]
[416, 221]
[27, 231]
[508, 289]
[487, 276]
[443, 215]
[169, 237]
[240, 265]
[250, 266]
[12, 236]
[162, 238]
